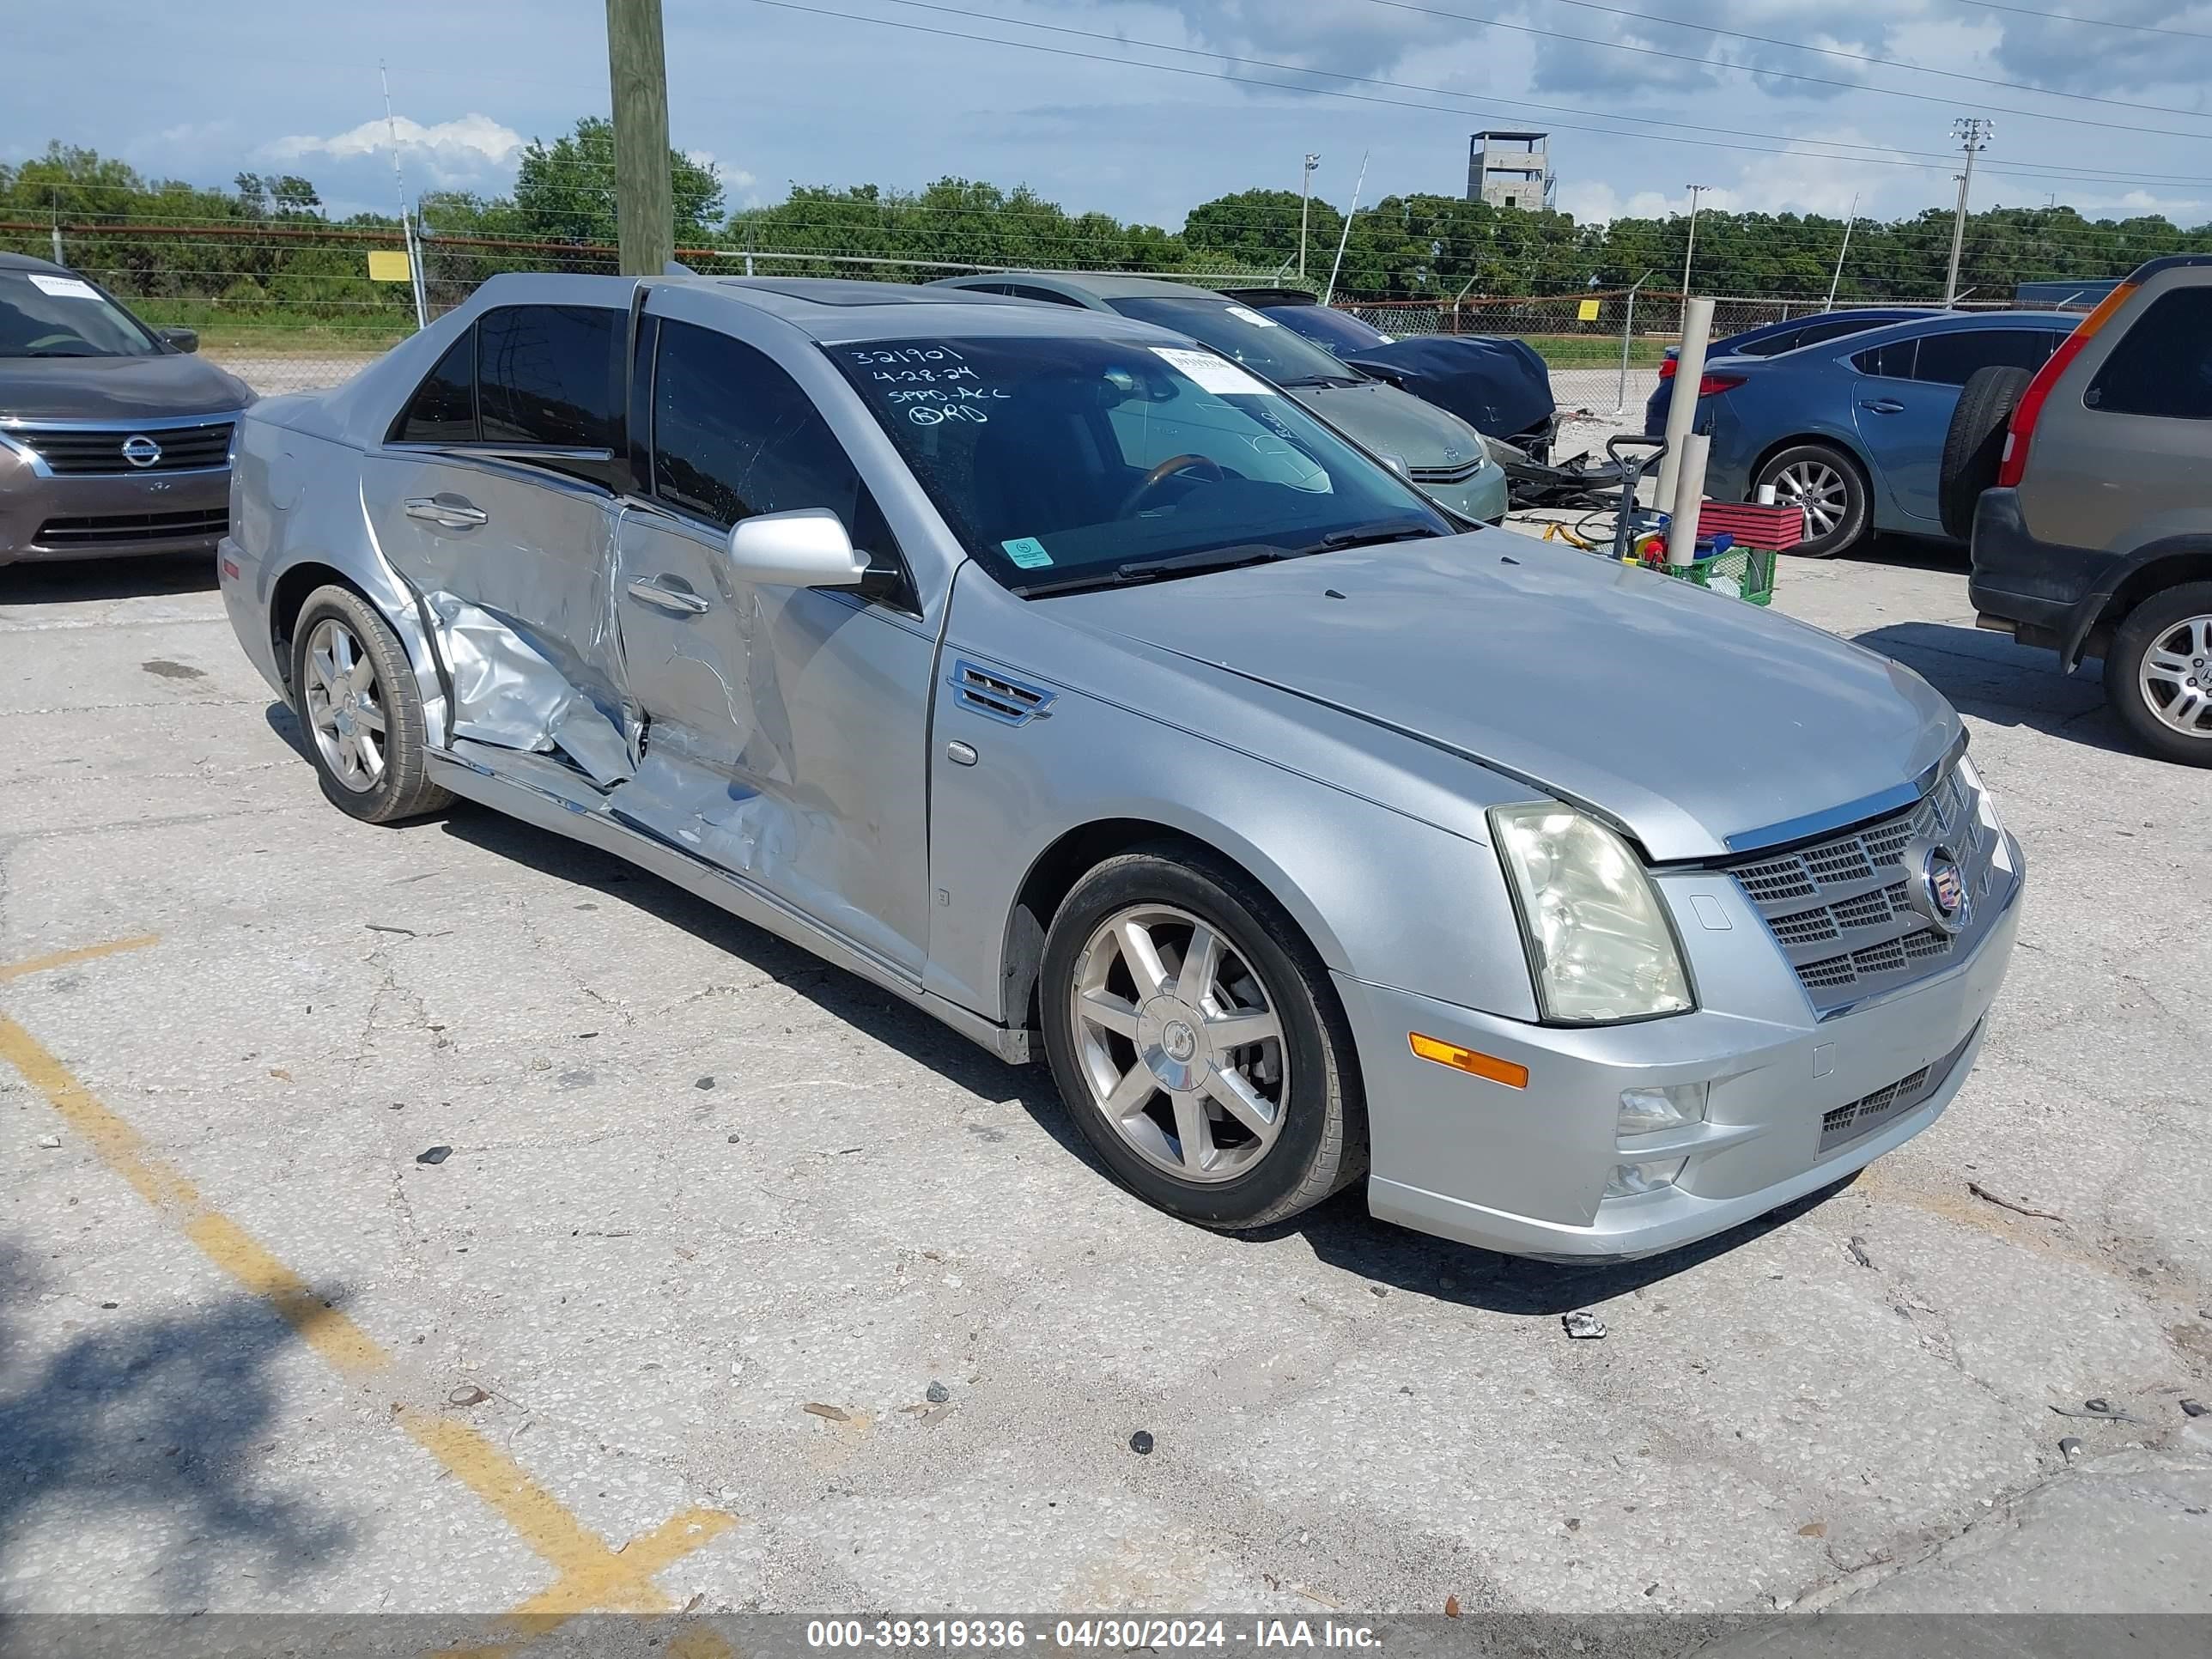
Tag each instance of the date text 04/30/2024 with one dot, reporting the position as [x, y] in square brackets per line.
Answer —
[1115, 1633]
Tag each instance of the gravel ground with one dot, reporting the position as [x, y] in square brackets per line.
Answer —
[715, 1218]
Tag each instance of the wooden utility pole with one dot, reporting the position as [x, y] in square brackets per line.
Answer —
[637, 73]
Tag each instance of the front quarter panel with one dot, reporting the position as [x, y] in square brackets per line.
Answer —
[1387, 893]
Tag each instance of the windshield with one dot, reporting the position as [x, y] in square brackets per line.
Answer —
[52, 314]
[1260, 343]
[1061, 462]
[1336, 331]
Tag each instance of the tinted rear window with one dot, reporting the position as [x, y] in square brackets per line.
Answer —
[2163, 365]
[443, 410]
[549, 374]
[1951, 359]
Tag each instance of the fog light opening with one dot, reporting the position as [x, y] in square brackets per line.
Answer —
[1630, 1180]
[1654, 1111]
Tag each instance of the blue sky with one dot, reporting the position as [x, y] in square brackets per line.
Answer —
[781, 93]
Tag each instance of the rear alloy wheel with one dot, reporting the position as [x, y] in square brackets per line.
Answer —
[1828, 484]
[2158, 674]
[358, 702]
[1197, 1042]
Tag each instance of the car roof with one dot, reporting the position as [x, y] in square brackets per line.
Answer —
[27, 262]
[838, 311]
[1947, 322]
[2150, 268]
[1094, 284]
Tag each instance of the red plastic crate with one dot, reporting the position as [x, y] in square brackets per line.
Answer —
[1778, 528]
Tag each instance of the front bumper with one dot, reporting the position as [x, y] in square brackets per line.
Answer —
[1481, 498]
[107, 516]
[1524, 1170]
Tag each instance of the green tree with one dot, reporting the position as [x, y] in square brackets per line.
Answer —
[565, 190]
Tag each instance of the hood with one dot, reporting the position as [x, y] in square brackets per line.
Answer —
[1393, 423]
[1497, 386]
[1700, 724]
[116, 388]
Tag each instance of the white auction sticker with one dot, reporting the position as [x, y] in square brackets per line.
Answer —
[1212, 373]
[1245, 313]
[67, 288]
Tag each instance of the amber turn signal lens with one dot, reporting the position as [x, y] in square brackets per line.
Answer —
[1469, 1060]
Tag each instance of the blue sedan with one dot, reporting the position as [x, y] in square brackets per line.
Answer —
[1853, 429]
[1772, 340]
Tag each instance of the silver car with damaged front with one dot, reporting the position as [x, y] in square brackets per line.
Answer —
[1056, 675]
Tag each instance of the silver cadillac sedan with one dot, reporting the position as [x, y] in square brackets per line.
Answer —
[1056, 675]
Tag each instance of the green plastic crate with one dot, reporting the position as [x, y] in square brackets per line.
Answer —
[1747, 572]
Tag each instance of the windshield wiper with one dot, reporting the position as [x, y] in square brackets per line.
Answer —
[1183, 564]
[1305, 381]
[1411, 530]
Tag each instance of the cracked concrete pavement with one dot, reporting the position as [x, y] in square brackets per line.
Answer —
[699, 1183]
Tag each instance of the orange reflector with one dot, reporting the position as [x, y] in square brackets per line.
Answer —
[1469, 1060]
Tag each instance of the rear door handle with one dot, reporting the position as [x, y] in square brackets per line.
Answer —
[1884, 406]
[450, 512]
[677, 599]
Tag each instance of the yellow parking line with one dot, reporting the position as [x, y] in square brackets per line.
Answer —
[86, 953]
[588, 1573]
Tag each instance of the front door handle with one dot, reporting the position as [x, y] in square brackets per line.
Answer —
[446, 511]
[668, 598]
[1883, 406]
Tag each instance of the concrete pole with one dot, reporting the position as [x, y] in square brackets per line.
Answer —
[1689, 490]
[1836, 282]
[637, 76]
[1682, 407]
[1973, 134]
[1691, 248]
[1306, 202]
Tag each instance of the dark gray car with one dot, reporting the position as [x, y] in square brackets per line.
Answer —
[114, 438]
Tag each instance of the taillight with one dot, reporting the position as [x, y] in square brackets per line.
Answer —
[1712, 384]
[1666, 367]
[2014, 463]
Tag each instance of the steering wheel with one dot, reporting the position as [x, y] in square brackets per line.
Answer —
[1205, 465]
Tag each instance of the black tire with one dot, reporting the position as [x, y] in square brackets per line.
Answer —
[1850, 524]
[400, 789]
[2144, 628]
[1321, 1141]
[1975, 444]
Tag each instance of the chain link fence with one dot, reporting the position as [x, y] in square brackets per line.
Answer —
[296, 304]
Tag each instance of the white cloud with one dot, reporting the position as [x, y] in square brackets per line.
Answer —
[451, 150]
[732, 178]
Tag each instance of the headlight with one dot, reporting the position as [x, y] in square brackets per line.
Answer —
[1598, 945]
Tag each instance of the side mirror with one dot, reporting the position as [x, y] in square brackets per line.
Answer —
[183, 339]
[805, 547]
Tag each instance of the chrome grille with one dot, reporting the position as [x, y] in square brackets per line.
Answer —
[88, 451]
[1448, 475]
[1842, 908]
[125, 529]
[999, 695]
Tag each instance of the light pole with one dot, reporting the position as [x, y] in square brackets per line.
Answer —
[1305, 200]
[1696, 190]
[1973, 133]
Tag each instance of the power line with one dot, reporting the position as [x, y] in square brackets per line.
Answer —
[2100, 22]
[1885, 63]
[1780, 74]
[1883, 155]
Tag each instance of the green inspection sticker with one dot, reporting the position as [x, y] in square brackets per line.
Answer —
[1028, 552]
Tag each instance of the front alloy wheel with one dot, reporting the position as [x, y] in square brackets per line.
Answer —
[1198, 1040]
[1181, 1047]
